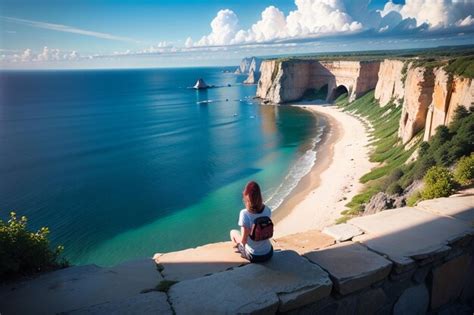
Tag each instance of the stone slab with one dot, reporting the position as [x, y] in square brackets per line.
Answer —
[461, 208]
[198, 262]
[403, 233]
[149, 303]
[78, 287]
[342, 232]
[351, 266]
[286, 282]
[304, 242]
[414, 301]
[448, 280]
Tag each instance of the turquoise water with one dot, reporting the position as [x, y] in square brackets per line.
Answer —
[122, 164]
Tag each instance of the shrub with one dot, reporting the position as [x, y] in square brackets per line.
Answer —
[464, 171]
[439, 182]
[394, 189]
[24, 252]
[414, 198]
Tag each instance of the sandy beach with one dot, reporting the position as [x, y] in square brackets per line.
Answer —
[342, 158]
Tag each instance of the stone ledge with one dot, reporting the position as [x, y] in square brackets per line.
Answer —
[149, 303]
[304, 242]
[412, 234]
[79, 287]
[286, 282]
[351, 266]
[461, 208]
[198, 262]
[342, 232]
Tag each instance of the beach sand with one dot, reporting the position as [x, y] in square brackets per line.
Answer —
[342, 158]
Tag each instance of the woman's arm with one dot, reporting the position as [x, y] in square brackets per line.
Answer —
[245, 233]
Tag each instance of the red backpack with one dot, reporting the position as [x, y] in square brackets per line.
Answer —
[262, 229]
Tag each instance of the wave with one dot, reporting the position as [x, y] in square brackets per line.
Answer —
[300, 168]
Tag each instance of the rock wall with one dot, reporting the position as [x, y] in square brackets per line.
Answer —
[288, 80]
[419, 86]
[390, 85]
[403, 261]
[449, 93]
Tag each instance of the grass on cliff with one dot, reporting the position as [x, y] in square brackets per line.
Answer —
[387, 148]
[393, 175]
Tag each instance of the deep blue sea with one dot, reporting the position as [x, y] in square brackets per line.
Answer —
[121, 164]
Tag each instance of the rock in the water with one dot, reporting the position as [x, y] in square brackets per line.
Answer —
[200, 84]
[413, 301]
[249, 64]
[252, 78]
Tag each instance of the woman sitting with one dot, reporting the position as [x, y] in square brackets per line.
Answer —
[253, 242]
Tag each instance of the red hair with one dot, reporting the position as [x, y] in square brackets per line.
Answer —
[253, 197]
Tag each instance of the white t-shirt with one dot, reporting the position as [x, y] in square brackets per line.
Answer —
[246, 219]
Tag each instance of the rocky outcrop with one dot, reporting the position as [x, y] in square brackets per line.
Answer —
[449, 93]
[252, 78]
[419, 87]
[287, 80]
[382, 201]
[200, 85]
[390, 83]
[249, 64]
[403, 261]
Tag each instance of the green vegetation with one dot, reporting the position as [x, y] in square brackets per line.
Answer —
[388, 150]
[316, 94]
[395, 174]
[447, 146]
[463, 66]
[24, 252]
[464, 171]
[439, 182]
[414, 198]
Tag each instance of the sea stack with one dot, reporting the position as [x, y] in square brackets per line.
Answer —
[200, 84]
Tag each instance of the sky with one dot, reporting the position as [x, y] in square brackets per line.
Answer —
[63, 34]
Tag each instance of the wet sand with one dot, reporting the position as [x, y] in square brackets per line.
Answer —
[342, 158]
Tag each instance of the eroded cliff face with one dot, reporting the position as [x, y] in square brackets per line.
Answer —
[429, 96]
[419, 87]
[390, 84]
[282, 82]
[449, 93]
[286, 81]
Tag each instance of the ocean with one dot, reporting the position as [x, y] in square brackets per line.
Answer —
[122, 164]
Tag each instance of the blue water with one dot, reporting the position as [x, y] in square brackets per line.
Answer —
[122, 164]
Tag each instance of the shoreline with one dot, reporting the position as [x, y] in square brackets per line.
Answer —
[319, 198]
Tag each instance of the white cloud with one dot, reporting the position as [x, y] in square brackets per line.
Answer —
[66, 29]
[224, 27]
[45, 55]
[316, 18]
[435, 13]
[468, 21]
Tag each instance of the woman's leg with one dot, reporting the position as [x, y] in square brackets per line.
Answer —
[235, 236]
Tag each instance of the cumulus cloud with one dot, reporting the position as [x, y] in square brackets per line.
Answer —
[317, 18]
[435, 13]
[45, 55]
[224, 27]
[468, 21]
